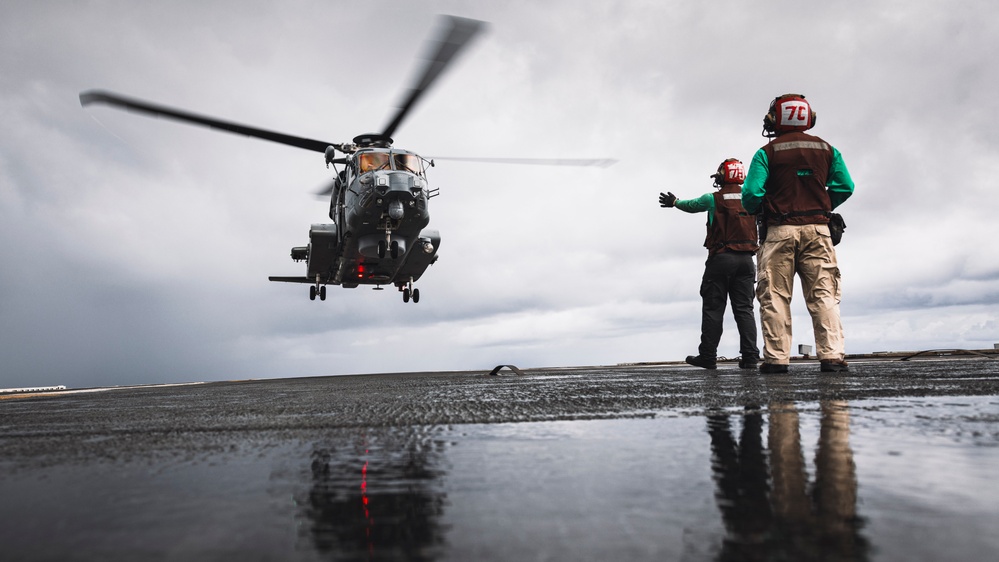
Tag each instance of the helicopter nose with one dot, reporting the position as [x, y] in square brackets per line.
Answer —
[396, 210]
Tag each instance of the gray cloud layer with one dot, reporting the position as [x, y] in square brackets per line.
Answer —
[137, 250]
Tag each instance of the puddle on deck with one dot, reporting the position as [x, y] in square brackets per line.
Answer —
[886, 479]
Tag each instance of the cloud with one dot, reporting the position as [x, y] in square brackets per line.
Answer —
[137, 250]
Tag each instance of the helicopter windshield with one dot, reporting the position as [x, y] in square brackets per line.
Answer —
[370, 161]
[408, 163]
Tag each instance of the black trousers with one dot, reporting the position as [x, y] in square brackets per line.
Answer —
[728, 276]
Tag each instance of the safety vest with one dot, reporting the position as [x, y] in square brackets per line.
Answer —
[796, 183]
[733, 229]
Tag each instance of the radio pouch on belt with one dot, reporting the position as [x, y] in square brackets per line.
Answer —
[836, 227]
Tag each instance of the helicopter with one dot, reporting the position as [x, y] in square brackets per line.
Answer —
[379, 197]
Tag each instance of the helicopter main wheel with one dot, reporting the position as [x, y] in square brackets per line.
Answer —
[312, 293]
[382, 247]
[322, 293]
[394, 249]
[408, 292]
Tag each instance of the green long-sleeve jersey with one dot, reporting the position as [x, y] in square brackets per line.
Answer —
[701, 204]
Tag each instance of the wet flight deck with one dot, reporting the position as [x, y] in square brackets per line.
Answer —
[893, 461]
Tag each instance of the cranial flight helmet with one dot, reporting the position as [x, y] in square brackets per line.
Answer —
[789, 112]
[729, 171]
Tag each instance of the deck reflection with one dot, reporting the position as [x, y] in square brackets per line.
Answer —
[770, 508]
[378, 497]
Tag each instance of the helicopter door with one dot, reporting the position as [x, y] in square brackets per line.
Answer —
[336, 197]
[341, 196]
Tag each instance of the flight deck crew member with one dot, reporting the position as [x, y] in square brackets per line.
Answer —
[729, 272]
[795, 181]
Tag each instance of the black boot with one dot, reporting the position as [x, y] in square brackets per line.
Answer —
[702, 361]
[772, 368]
[834, 366]
[748, 362]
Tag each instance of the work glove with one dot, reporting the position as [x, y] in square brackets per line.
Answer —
[667, 200]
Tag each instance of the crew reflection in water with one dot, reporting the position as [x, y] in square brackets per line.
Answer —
[770, 509]
[377, 496]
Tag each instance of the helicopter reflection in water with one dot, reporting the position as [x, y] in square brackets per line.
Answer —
[768, 506]
[378, 498]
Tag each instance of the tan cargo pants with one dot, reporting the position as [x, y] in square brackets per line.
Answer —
[808, 251]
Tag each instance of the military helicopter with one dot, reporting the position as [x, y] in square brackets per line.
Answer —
[379, 199]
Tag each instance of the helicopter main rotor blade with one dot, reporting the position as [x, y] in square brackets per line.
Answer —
[449, 43]
[596, 162]
[115, 100]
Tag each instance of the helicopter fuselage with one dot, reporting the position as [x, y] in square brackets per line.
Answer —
[380, 210]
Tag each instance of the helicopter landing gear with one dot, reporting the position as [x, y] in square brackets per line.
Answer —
[383, 245]
[317, 289]
[388, 246]
[408, 292]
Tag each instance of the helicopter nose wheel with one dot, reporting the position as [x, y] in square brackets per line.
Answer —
[388, 246]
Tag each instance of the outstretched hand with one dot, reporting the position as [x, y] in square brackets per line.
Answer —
[667, 199]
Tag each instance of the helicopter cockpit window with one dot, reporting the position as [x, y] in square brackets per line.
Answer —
[408, 163]
[370, 161]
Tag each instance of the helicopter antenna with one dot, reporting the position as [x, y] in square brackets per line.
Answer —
[458, 34]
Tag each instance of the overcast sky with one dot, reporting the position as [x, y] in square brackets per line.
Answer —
[136, 250]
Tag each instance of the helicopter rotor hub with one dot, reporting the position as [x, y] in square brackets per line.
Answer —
[373, 140]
